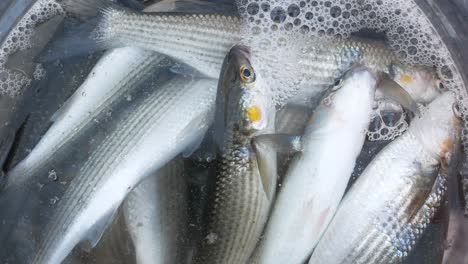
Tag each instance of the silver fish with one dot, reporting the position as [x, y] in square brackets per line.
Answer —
[314, 184]
[202, 40]
[117, 72]
[115, 245]
[246, 175]
[156, 216]
[171, 120]
[113, 76]
[383, 215]
[457, 230]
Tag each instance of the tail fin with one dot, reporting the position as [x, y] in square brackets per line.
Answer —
[78, 38]
[85, 8]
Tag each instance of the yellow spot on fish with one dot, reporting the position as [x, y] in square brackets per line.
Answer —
[255, 114]
[406, 79]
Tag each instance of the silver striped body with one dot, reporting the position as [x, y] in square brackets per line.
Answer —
[239, 208]
[114, 75]
[166, 123]
[156, 216]
[201, 41]
[382, 216]
[246, 175]
[317, 176]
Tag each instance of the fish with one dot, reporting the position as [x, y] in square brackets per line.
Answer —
[387, 209]
[246, 172]
[457, 232]
[112, 77]
[117, 72]
[202, 40]
[156, 216]
[314, 185]
[170, 121]
[115, 245]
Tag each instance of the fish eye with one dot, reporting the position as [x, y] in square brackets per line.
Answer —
[456, 110]
[247, 74]
[337, 84]
[440, 85]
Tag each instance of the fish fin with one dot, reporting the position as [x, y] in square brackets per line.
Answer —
[267, 165]
[433, 201]
[192, 148]
[21, 60]
[393, 91]
[132, 4]
[62, 110]
[200, 123]
[10, 145]
[2, 180]
[78, 38]
[95, 233]
[185, 70]
[86, 8]
[292, 119]
[207, 150]
[75, 40]
[282, 143]
[193, 6]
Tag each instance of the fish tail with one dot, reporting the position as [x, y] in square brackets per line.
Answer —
[81, 39]
[85, 8]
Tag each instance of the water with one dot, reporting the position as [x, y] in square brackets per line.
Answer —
[401, 23]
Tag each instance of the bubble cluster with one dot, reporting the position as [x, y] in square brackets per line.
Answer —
[388, 122]
[408, 32]
[13, 82]
[39, 72]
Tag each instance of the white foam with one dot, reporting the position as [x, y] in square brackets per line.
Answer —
[13, 83]
[409, 33]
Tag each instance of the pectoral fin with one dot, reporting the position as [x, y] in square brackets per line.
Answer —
[97, 230]
[267, 165]
[282, 143]
[391, 90]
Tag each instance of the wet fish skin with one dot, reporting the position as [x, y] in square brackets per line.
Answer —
[202, 40]
[314, 185]
[171, 120]
[114, 75]
[457, 233]
[389, 201]
[156, 216]
[246, 176]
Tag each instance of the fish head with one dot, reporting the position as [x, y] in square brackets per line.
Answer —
[248, 102]
[350, 98]
[439, 128]
[421, 82]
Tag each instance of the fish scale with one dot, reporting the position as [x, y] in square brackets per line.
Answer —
[384, 226]
[241, 196]
[156, 216]
[389, 225]
[313, 185]
[187, 38]
[249, 188]
[71, 121]
[120, 161]
[201, 41]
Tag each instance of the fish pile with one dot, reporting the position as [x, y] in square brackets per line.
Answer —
[282, 150]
